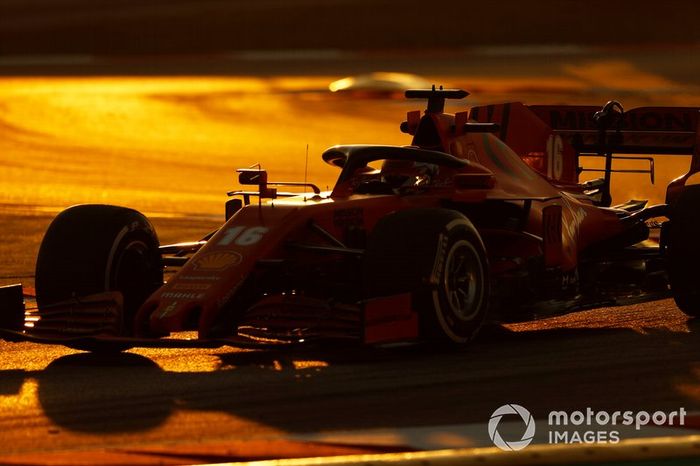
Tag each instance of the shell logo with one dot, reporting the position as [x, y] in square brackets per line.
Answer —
[217, 261]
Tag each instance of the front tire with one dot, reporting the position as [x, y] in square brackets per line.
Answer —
[438, 255]
[91, 249]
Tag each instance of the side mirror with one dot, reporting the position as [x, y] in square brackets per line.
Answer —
[250, 176]
[254, 176]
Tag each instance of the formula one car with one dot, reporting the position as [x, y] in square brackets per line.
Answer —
[481, 218]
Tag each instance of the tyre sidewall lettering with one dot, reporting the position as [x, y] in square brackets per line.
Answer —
[444, 316]
[440, 256]
[113, 251]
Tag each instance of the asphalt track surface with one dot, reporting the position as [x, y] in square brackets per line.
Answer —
[168, 147]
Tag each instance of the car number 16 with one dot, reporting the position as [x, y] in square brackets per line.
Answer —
[242, 236]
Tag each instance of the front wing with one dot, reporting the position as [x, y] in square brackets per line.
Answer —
[94, 322]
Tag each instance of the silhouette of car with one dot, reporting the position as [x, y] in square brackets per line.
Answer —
[482, 218]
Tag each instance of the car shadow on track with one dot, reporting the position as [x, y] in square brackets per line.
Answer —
[331, 388]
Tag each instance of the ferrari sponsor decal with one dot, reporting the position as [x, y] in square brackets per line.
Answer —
[169, 309]
[242, 236]
[573, 217]
[210, 278]
[190, 286]
[645, 121]
[571, 119]
[216, 261]
[181, 295]
[633, 120]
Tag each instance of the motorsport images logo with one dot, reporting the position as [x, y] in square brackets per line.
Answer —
[585, 426]
[527, 436]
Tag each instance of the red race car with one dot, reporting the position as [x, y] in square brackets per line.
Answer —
[481, 218]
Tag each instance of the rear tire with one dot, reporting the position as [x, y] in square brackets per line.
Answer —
[91, 249]
[683, 251]
[438, 255]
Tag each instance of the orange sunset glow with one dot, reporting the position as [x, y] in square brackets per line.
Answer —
[458, 301]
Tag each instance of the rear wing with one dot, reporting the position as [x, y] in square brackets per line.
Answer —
[552, 137]
[643, 130]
